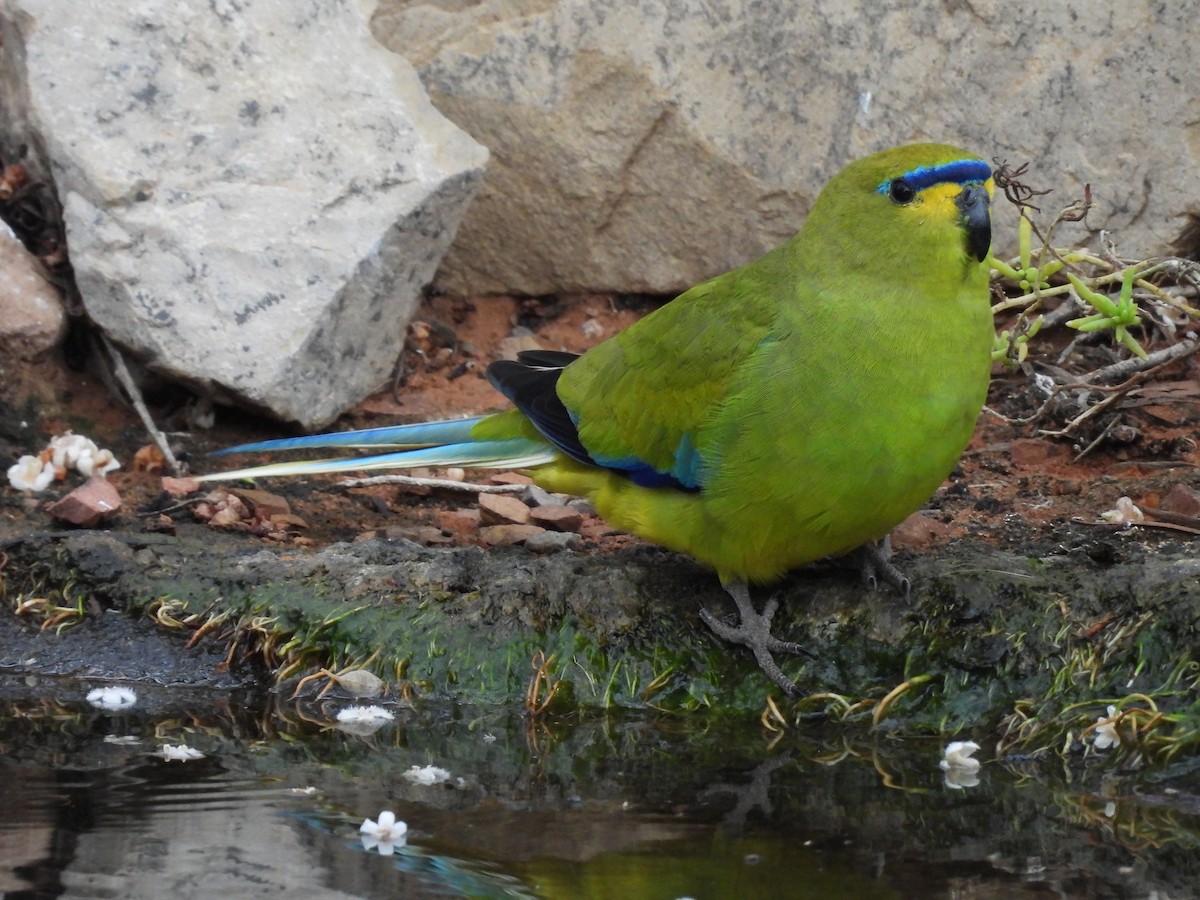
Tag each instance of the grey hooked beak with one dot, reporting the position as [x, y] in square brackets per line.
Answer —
[973, 202]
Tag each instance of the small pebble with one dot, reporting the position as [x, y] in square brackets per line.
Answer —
[458, 520]
[536, 496]
[553, 542]
[421, 534]
[361, 683]
[582, 506]
[88, 505]
[180, 487]
[503, 535]
[510, 478]
[559, 518]
[502, 509]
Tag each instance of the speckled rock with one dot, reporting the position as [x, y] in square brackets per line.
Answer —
[646, 146]
[255, 194]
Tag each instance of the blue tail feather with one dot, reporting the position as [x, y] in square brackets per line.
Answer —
[510, 453]
[419, 434]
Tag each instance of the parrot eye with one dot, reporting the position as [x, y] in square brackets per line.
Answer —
[901, 192]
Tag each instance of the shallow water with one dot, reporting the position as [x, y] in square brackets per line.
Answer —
[622, 807]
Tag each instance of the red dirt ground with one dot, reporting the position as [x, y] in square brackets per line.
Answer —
[1012, 479]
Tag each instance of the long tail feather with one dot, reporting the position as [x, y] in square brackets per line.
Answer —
[420, 434]
[514, 453]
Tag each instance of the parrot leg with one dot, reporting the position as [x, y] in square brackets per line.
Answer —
[754, 632]
[874, 564]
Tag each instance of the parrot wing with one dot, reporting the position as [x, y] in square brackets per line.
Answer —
[638, 403]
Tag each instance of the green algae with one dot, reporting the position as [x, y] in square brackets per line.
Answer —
[1030, 647]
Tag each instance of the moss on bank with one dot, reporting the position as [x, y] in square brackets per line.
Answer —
[1033, 646]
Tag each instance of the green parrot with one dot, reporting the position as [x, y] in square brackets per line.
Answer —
[796, 408]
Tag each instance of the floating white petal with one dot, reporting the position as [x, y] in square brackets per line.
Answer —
[958, 755]
[962, 771]
[384, 835]
[180, 753]
[364, 714]
[112, 697]
[427, 775]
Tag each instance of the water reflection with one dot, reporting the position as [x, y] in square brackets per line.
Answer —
[620, 807]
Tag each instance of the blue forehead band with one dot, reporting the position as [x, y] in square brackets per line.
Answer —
[961, 171]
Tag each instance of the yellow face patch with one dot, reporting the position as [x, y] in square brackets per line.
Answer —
[937, 194]
[938, 203]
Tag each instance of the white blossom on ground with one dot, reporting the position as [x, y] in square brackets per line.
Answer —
[112, 697]
[1125, 512]
[180, 753]
[31, 474]
[962, 770]
[384, 835]
[65, 449]
[364, 714]
[74, 451]
[427, 775]
[1106, 736]
[99, 463]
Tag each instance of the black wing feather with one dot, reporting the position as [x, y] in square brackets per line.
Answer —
[550, 359]
[530, 382]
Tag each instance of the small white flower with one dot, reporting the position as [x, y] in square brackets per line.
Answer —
[959, 755]
[65, 449]
[364, 714]
[489, 738]
[427, 775]
[385, 835]
[1106, 736]
[30, 474]
[1125, 512]
[74, 451]
[180, 753]
[112, 697]
[362, 720]
[962, 770]
[957, 779]
[99, 463]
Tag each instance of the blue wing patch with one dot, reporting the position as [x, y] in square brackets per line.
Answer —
[684, 475]
[530, 383]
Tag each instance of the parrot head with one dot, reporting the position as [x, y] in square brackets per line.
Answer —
[915, 204]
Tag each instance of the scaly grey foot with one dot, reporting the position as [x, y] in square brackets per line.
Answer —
[754, 632]
[874, 565]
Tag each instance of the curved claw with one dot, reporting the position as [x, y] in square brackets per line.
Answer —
[875, 567]
[754, 632]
